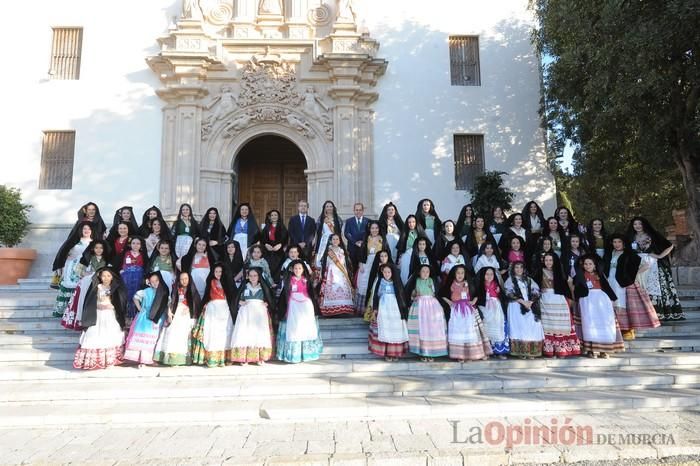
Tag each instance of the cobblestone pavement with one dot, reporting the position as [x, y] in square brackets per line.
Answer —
[637, 438]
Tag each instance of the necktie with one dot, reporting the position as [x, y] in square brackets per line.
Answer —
[303, 220]
[358, 223]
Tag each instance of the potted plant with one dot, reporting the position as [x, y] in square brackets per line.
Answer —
[14, 224]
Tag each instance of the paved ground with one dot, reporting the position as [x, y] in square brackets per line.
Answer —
[641, 438]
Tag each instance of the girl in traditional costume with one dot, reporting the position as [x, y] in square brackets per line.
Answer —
[96, 256]
[274, 239]
[478, 235]
[595, 297]
[560, 339]
[391, 226]
[447, 235]
[490, 300]
[515, 228]
[197, 262]
[514, 250]
[381, 258]
[453, 259]
[133, 271]
[298, 337]
[328, 223]
[253, 306]
[184, 229]
[566, 221]
[158, 232]
[633, 307]
[656, 277]
[163, 260]
[556, 233]
[152, 303]
[212, 229]
[174, 343]
[497, 223]
[427, 328]
[466, 336]
[544, 245]
[428, 218]
[232, 261]
[149, 215]
[336, 296]
[534, 222]
[244, 228]
[212, 334]
[373, 242]
[388, 332]
[464, 222]
[102, 341]
[67, 261]
[596, 237]
[488, 257]
[256, 259]
[423, 255]
[573, 251]
[118, 241]
[524, 317]
[404, 248]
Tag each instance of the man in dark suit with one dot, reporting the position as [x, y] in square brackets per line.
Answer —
[355, 232]
[302, 229]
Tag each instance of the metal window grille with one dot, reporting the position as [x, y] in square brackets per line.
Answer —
[57, 154]
[464, 61]
[66, 49]
[469, 159]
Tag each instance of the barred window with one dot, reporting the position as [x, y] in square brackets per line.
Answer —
[469, 159]
[464, 61]
[57, 154]
[65, 53]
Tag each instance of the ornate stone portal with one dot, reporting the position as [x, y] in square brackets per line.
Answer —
[233, 70]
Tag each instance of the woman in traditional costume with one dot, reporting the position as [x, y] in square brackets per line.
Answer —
[490, 300]
[174, 343]
[391, 226]
[152, 303]
[67, 263]
[336, 296]
[253, 306]
[524, 317]
[427, 327]
[244, 228]
[388, 332]
[373, 242]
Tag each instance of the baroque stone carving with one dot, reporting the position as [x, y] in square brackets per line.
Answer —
[225, 103]
[320, 16]
[191, 9]
[270, 7]
[346, 14]
[267, 114]
[315, 108]
[220, 14]
[267, 81]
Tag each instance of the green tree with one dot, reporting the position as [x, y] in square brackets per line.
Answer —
[488, 192]
[622, 83]
[14, 216]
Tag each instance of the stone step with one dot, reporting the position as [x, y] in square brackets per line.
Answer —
[159, 411]
[650, 343]
[23, 321]
[688, 291]
[63, 370]
[189, 389]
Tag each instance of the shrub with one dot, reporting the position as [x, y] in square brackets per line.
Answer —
[14, 216]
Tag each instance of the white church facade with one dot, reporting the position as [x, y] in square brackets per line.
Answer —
[214, 102]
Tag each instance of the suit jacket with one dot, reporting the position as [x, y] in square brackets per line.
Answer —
[353, 233]
[297, 234]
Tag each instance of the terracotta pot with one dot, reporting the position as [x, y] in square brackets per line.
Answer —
[15, 264]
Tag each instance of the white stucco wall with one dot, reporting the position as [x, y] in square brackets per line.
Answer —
[117, 116]
[112, 107]
[419, 111]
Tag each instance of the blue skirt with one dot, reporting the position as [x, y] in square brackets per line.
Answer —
[296, 351]
[133, 280]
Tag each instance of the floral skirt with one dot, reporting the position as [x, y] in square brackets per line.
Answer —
[142, 339]
[496, 326]
[667, 302]
[211, 336]
[252, 339]
[102, 344]
[560, 337]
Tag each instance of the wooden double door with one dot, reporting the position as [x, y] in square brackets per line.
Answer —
[271, 176]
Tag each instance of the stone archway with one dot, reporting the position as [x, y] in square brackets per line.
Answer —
[233, 74]
[269, 174]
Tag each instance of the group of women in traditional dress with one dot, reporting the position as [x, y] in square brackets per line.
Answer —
[196, 292]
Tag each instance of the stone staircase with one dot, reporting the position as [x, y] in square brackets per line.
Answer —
[38, 387]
